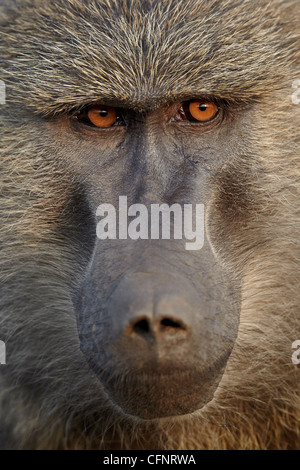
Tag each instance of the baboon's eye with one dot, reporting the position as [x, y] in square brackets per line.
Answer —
[202, 110]
[197, 111]
[99, 116]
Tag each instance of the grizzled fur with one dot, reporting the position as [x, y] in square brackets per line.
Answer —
[55, 58]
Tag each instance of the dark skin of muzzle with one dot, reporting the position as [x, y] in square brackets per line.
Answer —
[157, 323]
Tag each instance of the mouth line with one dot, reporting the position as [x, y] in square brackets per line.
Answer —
[160, 372]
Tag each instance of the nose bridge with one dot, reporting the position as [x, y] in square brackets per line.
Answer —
[148, 167]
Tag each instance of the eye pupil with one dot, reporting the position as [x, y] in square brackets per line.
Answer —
[103, 112]
[202, 107]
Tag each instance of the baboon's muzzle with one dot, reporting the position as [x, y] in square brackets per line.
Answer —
[159, 343]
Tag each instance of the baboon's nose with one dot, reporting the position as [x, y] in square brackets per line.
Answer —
[147, 326]
[149, 312]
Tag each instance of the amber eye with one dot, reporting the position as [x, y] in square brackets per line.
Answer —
[202, 111]
[99, 116]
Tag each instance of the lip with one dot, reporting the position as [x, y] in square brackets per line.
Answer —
[151, 394]
[159, 396]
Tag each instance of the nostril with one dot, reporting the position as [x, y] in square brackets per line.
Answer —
[144, 326]
[141, 327]
[169, 323]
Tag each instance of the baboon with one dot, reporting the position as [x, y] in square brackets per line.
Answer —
[142, 344]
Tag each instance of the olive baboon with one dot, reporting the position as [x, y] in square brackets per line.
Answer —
[142, 344]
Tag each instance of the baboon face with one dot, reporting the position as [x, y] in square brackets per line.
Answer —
[157, 322]
[150, 103]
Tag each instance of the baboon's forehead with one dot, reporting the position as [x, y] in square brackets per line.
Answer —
[144, 52]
